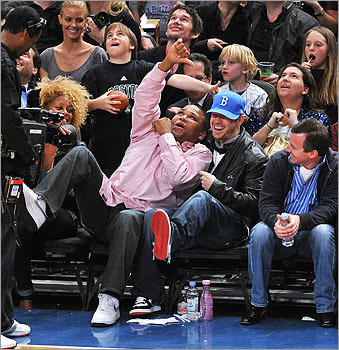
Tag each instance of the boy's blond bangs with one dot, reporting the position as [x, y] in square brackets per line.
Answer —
[243, 55]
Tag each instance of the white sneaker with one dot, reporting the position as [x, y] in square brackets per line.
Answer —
[17, 330]
[107, 312]
[7, 343]
[143, 306]
[33, 213]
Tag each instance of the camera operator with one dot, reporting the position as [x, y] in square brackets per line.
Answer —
[21, 30]
[66, 96]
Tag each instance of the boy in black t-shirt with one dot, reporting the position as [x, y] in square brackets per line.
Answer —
[111, 129]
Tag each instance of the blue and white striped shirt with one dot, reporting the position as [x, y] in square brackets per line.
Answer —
[302, 196]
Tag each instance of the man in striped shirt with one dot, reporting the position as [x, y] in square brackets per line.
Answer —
[302, 181]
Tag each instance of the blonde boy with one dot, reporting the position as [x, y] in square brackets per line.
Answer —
[238, 66]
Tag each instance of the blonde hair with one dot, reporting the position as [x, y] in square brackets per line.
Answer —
[328, 93]
[114, 8]
[73, 92]
[243, 55]
[81, 5]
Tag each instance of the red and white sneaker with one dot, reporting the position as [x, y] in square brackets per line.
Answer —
[17, 330]
[161, 226]
[143, 306]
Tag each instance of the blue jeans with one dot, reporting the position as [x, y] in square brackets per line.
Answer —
[319, 243]
[202, 221]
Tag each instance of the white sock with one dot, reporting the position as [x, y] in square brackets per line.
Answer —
[35, 206]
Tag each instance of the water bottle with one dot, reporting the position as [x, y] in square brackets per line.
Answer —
[193, 313]
[286, 242]
[206, 302]
[182, 303]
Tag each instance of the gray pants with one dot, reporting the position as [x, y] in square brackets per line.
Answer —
[79, 170]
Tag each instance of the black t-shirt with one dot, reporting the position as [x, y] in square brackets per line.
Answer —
[111, 132]
[170, 94]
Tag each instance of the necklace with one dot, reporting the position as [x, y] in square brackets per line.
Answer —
[74, 62]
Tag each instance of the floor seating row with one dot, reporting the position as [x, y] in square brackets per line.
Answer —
[85, 259]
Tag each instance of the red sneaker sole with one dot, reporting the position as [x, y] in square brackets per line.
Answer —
[161, 228]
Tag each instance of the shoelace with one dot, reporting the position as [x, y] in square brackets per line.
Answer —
[141, 300]
[105, 302]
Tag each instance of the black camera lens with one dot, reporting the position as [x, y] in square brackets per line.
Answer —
[101, 19]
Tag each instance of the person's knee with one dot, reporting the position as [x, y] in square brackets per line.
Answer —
[322, 235]
[202, 195]
[129, 219]
[260, 233]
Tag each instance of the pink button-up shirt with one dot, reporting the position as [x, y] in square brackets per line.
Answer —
[155, 171]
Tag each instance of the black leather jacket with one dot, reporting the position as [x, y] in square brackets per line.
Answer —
[288, 35]
[239, 176]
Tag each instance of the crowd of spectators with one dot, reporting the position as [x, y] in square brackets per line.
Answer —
[89, 50]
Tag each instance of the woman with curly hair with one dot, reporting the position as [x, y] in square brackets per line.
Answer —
[66, 96]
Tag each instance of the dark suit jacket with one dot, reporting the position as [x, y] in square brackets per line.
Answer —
[207, 104]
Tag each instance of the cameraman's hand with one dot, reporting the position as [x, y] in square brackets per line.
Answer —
[95, 33]
[48, 157]
[60, 128]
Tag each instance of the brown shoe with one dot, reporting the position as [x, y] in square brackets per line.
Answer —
[26, 304]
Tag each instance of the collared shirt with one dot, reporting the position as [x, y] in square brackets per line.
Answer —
[156, 171]
[200, 102]
[24, 89]
[302, 196]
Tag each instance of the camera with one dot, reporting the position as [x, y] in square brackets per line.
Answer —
[42, 127]
[101, 19]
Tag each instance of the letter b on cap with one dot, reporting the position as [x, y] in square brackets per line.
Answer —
[224, 101]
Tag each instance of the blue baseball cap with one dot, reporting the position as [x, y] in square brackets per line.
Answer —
[229, 104]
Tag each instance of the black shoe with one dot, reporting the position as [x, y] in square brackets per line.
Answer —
[327, 319]
[254, 315]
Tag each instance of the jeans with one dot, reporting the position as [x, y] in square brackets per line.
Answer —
[319, 243]
[79, 170]
[202, 221]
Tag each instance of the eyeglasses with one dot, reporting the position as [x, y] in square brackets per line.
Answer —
[33, 27]
[200, 77]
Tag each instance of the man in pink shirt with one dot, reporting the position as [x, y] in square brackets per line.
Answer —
[160, 168]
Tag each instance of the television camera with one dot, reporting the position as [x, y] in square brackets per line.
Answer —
[43, 127]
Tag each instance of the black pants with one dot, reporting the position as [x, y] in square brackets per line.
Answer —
[63, 226]
[8, 246]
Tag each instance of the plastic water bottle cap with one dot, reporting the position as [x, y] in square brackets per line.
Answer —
[206, 282]
[284, 216]
[192, 284]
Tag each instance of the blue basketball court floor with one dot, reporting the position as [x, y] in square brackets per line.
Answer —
[66, 329]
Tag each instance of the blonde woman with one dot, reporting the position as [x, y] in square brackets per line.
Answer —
[73, 57]
[66, 96]
[320, 56]
[238, 67]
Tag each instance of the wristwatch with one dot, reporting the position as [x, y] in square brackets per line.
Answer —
[321, 13]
